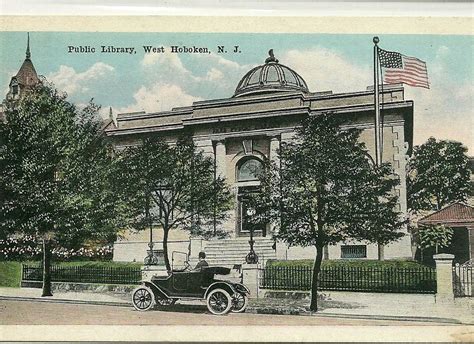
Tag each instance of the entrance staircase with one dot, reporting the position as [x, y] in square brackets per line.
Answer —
[230, 252]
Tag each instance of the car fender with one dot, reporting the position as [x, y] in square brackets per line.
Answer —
[156, 290]
[222, 285]
[238, 286]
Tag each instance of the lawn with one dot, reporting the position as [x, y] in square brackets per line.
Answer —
[10, 274]
[10, 271]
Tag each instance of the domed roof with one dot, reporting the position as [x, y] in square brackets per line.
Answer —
[270, 77]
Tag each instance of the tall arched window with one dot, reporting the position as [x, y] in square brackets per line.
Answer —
[248, 169]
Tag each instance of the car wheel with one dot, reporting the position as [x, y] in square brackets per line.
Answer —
[239, 303]
[219, 302]
[143, 298]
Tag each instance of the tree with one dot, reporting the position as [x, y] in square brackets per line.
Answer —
[438, 174]
[174, 186]
[326, 191]
[437, 236]
[54, 171]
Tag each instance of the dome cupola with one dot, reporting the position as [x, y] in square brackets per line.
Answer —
[270, 77]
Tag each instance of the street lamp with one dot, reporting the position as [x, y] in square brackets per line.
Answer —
[152, 258]
[46, 290]
[251, 257]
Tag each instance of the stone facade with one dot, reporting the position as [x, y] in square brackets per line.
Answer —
[253, 123]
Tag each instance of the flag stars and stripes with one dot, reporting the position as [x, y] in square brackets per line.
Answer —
[403, 69]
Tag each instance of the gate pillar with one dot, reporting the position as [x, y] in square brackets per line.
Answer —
[444, 277]
[250, 278]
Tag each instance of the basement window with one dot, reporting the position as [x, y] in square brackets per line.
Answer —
[353, 251]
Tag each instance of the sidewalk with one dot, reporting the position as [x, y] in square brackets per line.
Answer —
[67, 297]
[411, 307]
[407, 307]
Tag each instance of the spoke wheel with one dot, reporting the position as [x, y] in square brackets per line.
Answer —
[143, 298]
[219, 302]
[239, 303]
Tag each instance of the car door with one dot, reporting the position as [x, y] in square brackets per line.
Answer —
[195, 283]
[180, 282]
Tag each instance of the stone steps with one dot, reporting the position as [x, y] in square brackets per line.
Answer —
[229, 252]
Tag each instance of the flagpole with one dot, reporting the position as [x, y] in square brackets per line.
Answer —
[378, 150]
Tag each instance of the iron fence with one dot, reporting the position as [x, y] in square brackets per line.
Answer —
[84, 274]
[389, 280]
[463, 283]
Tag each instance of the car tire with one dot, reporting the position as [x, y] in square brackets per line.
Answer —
[239, 303]
[143, 298]
[219, 302]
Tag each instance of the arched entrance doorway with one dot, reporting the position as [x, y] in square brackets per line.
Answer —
[247, 172]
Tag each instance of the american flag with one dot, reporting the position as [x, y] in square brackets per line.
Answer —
[403, 69]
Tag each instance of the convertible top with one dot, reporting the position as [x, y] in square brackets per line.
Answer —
[216, 270]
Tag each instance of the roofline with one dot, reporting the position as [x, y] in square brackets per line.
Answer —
[453, 223]
[204, 104]
[424, 220]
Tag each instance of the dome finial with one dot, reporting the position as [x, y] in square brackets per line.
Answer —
[271, 58]
[28, 54]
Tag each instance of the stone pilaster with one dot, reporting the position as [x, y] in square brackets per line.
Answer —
[274, 146]
[220, 156]
[274, 158]
[205, 146]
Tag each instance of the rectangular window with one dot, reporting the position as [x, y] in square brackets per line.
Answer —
[353, 251]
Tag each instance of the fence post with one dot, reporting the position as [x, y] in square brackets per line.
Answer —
[444, 277]
[250, 278]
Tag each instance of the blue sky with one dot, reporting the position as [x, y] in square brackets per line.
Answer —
[155, 82]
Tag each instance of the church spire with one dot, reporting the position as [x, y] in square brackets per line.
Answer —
[28, 54]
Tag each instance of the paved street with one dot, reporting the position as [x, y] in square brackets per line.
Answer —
[14, 312]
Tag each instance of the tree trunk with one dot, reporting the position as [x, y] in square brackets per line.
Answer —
[165, 249]
[314, 285]
[380, 252]
[46, 269]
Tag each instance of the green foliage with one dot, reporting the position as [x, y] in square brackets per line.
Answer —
[376, 264]
[326, 190]
[55, 169]
[174, 186]
[438, 174]
[10, 274]
[91, 264]
[437, 236]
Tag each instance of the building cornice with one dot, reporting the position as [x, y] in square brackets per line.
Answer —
[363, 107]
[231, 117]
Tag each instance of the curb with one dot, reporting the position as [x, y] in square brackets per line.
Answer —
[277, 311]
[84, 302]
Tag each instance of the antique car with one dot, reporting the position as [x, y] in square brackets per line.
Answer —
[185, 284]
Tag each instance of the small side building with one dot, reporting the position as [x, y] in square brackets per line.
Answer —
[459, 217]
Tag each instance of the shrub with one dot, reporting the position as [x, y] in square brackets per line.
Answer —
[26, 247]
[348, 263]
